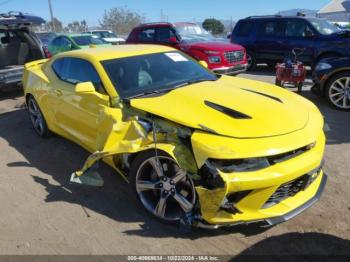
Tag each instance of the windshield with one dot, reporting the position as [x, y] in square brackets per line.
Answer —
[87, 40]
[46, 37]
[193, 32]
[104, 34]
[137, 75]
[323, 26]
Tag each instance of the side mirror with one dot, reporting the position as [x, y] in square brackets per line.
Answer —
[85, 87]
[203, 63]
[173, 40]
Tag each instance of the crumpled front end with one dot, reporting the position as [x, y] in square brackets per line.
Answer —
[265, 179]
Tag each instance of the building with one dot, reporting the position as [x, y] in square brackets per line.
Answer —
[336, 11]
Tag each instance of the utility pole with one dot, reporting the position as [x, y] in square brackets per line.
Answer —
[51, 14]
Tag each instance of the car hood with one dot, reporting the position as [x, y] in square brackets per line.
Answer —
[231, 107]
[212, 45]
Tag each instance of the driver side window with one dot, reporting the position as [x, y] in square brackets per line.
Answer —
[76, 70]
[164, 34]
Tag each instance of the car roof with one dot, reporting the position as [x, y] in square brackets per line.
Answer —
[15, 18]
[276, 17]
[114, 52]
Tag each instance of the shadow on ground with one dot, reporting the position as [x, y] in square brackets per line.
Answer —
[298, 247]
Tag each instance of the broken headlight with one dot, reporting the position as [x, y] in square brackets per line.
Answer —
[240, 165]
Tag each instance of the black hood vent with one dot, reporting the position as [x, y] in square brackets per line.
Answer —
[262, 94]
[227, 111]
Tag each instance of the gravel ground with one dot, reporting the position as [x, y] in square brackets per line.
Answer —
[41, 213]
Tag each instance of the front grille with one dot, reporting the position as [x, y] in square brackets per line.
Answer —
[234, 56]
[292, 188]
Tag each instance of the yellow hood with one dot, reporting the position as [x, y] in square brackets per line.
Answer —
[231, 106]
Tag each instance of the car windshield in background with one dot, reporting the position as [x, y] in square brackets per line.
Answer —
[324, 27]
[191, 32]
[104, 34]
[45, 38]
[160, 72]
[87, 40]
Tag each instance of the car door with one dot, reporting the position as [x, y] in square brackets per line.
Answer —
[298, 34]
[270, 44]
[76, 114]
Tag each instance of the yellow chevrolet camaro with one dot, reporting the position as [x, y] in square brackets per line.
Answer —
[197, 148]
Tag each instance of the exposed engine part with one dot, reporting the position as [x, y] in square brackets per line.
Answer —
[210, 177]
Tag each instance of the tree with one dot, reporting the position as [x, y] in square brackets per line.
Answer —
[58, 26]
[214, 26]
[120, 20]
[76, 27]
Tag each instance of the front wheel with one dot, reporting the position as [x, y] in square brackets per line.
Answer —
[161, 186]
[250, 61]
[338, 91]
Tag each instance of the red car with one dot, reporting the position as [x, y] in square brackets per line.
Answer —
[221, 57]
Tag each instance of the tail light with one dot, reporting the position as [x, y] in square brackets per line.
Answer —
[47, 52]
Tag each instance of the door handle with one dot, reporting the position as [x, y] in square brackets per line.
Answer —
[58, 92]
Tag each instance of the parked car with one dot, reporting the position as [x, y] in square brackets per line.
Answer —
[206, 149]
[332, 80]
[46, 37]
[18, 45]
[221, 57]
[108, 36]
[68, 42]
[270, 39]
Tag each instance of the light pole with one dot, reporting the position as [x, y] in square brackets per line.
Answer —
[51, 14]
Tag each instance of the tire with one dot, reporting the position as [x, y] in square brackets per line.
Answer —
[160, 196]
[337, 91]
[251, 63]
[278, 82]
[299, 86]
[37, 118]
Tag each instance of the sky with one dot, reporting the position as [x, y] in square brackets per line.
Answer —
[174, 10]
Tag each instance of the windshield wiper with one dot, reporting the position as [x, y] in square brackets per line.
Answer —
[193, 82]
[147, 93]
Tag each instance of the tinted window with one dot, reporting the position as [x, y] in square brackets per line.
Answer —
[147, 35]
[245, 28]
[57, 41]
[87, 40]
[164, 34]
[269, 28]
[295, 28]
[132, 76]
[57, 67]
[75, 70]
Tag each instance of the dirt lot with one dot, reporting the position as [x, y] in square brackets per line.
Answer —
[41, 213]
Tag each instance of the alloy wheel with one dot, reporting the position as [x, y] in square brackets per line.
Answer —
[339, 93]
[36, 117]
[164, 188]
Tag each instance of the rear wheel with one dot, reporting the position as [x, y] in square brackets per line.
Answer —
[278, 82]
[37, 118]
[161, 186]
[338, 91]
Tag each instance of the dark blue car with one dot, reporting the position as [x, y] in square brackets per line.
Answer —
[270, 39]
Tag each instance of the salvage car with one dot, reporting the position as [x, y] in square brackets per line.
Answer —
[221, 57]
[332, 80]
[68, 42]
[18, 45]
[198, 148]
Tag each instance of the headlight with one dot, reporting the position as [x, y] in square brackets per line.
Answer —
[323, 66]
[240, 165]
[214, 59]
